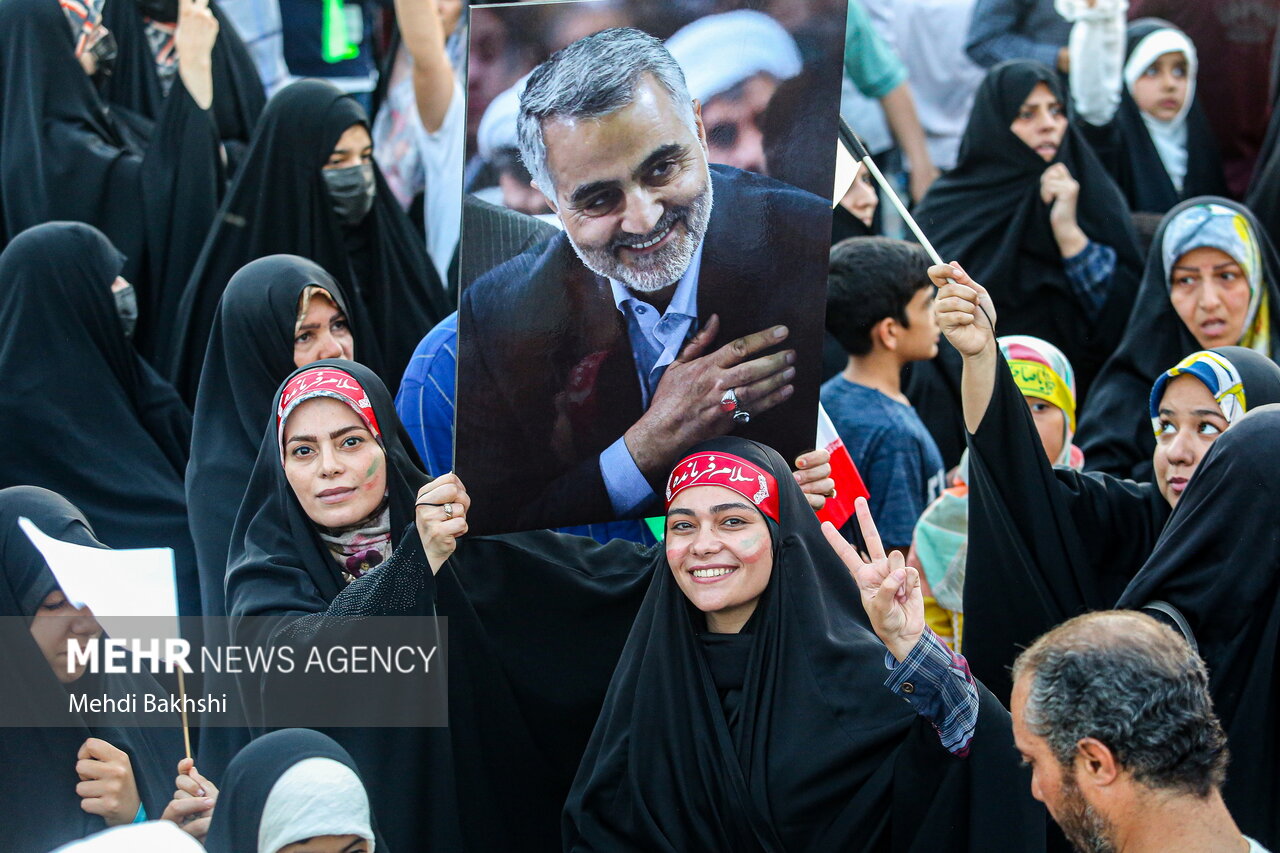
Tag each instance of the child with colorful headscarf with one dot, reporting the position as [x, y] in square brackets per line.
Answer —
[1134, 91]
[1047, 382]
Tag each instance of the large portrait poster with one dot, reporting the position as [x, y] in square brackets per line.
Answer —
[680, 157]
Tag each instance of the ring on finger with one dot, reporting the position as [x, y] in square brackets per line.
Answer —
[730, 403]
[448, 511]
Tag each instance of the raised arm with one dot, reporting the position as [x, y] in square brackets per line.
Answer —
[423, 32]
[965, 315]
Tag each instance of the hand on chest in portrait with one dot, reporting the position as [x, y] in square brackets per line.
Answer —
[548, 375]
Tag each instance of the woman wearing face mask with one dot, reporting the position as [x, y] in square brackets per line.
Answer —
[309, 187]
[1058, 542]
[1211, 281]
[293, 791]
[1031, 212]
[108, 432]
[64, 156]
[1217, 562]
[147, 62]
[1134, 91]
[77, 772]
[277, 314]
[941, 541]
[752, 709]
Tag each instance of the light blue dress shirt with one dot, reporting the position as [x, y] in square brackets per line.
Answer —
[656, 340]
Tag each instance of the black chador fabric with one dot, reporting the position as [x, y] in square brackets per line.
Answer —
[1115, 429]
[248, 782]
[103, 429]
[1048, 543]
[278, 203]
[1124, 146]
[250, 352]
[238, 96]
[535, 623]
[38, 787]
[63, 156]
[1218, 562]
[1263, 197]
[988, 215]
[823, 756]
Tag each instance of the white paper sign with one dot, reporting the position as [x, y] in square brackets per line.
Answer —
[119, 586]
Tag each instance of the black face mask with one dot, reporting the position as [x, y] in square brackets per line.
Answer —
[351, 191]
[104, 51]
[165, 11]
[127, 308]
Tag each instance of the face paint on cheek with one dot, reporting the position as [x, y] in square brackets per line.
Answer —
[372, 470]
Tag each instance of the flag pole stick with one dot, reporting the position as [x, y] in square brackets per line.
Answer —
[186, 730]
[860, 153]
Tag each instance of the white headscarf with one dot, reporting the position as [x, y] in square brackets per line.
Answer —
[155, 836]
[718, 52]
[315, 797]
[497, 129]
[1169, 137]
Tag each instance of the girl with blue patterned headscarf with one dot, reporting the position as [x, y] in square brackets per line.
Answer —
[1176, 314]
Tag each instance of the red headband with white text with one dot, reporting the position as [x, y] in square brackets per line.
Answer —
[732, 472]
[325, 382]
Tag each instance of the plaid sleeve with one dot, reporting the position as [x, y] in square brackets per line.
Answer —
[1090, 274]
[937, 683]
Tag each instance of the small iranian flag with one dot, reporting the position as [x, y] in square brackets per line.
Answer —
[849, 485]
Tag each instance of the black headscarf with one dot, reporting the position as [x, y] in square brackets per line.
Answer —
[1049, 543]
[524, 687]
[101, 427]
[250, 778]
[38, 791]
[250, 352]
[238, 96]
[822, 755]
[62, 156]
[987, 214]
[278, 203]
[1115, 432]
[1124, 146]
[1218, 562]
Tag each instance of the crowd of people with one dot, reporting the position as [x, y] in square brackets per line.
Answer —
[233, 236]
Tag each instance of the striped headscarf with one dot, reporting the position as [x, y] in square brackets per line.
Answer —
[1218, 374]
[1042, 371]
[83, 16]
[1216, 226]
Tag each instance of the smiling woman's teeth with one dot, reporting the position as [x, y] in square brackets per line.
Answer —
[710, 573]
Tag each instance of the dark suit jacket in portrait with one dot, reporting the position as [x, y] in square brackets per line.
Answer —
[546, 376]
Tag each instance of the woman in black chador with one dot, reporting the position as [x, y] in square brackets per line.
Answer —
[308, 186]
[753, 707]
[1031, 212]
[65, 156]
[86, 416]
[67, 774]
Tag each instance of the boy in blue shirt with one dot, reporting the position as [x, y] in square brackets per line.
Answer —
[880, 309]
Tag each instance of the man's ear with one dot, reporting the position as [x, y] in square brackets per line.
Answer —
[698, 125]
[1095, 763]
[551, 202]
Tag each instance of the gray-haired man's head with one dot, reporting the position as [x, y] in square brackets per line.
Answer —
[611, 137]
[1120, 685]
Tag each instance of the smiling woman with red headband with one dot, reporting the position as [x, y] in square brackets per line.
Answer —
[752, 709]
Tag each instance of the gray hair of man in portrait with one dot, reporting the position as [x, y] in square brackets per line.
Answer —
[593, 77]
[1134, 684]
